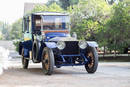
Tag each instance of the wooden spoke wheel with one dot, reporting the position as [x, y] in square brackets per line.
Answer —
[47, 61]
[92, 64]
[91, 57]
[25, 61]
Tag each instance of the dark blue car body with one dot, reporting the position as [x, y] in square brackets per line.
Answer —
[34, 43]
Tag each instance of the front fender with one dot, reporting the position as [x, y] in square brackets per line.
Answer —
[92, 44]
[50, 44]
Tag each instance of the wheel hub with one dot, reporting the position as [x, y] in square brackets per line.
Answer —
[46, 60]
[91, 63]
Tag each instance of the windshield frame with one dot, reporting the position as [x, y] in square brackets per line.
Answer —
[60, 29]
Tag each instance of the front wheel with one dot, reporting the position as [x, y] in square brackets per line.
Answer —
[25, 61]
[47, 61]
[92, 64]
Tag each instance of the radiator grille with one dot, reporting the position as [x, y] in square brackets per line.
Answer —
[71, 48]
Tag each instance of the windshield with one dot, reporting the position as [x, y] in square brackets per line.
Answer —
[55, 22]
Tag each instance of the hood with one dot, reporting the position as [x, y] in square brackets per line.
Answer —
[56, 34]
[51, 35]
[63, 39]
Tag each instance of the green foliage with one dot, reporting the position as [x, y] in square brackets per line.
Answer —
[87, 29]
[1, 36]
[16, 44]
[88, 18]
[107, 24]
[67, 3]
[53, 8]
[39, 8]
[5, 29]
[110, 1]
[118, 28]
[51, 2]
[1, 27]
[91, 20]
[16, 31]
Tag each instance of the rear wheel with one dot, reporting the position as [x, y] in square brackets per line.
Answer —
[92, 64]
[47, 61]
[25, 61]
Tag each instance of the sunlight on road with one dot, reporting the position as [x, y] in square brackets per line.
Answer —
[4, 57]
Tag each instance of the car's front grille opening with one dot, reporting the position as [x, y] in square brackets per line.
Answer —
[71, 48]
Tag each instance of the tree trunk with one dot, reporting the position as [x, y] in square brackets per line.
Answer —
[115, 49]
[104, 51]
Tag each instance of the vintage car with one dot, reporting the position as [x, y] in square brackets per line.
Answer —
[47, 39]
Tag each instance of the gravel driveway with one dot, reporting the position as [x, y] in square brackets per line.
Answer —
[108, 75]
[112, 74]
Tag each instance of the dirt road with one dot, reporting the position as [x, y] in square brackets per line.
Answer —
[112, 74]
[107, 75]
